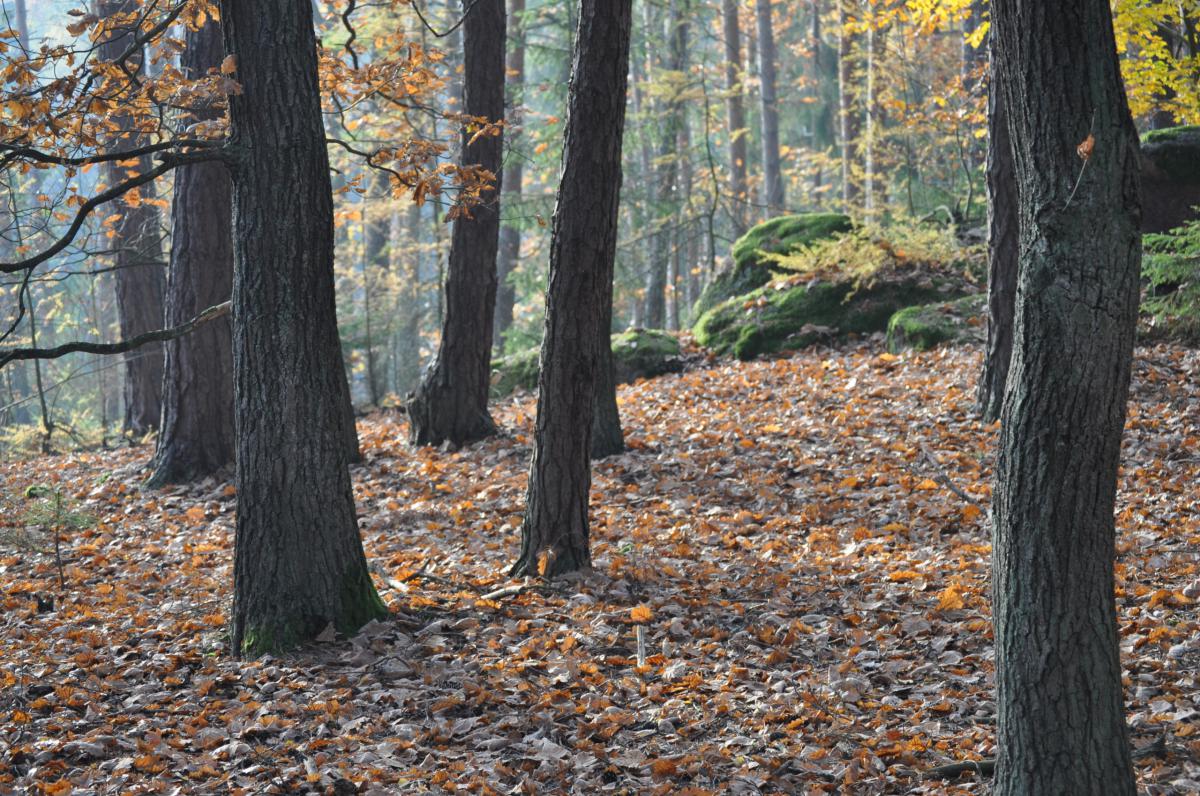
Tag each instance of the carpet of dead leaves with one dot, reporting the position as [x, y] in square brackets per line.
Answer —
[803, 540]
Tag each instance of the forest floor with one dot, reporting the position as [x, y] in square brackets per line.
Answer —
[804, 539]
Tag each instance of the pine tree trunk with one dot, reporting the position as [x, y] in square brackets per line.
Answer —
[736, 112]
[772, 170]
[451, 403]
[377, 263]
[1003, 243]
[299, 565]
[514, 172]
[408, 354]
[196, 437]
[1060, 718]
[870, 108]
[848, 110]
[582, 250]
[139, 269]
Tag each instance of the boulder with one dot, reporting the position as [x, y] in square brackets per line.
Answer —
[637, 354]
[793, 313]
[925, 326]
[1170, 169]
[751, 265]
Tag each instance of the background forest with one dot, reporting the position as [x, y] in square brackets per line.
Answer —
[877, 110]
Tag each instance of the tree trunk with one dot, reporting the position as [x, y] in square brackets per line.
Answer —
[138, 263]
[510, 233]
[408, 344]
[21, 21]
[665, 175]
[582, 250]
[451, 402]
[376, 263]
[736, 112]
[299, 565]
[196, 437]
[1060, 718]
[870, 108]
[1003, 243]
[848, 111]
[772, 172]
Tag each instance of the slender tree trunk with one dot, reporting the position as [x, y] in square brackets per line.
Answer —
[848, 111]
[974, 66]
[196, 437]
[870, 107]
[736, 112]
[451, 403]
[1003, 243]
[140, 273]
[21, 20]
[1060, 718]
[666, 174]
[773, 194]
[408, 359]
[377, 263]
[582, 250]
[299, 565]
[510, 233]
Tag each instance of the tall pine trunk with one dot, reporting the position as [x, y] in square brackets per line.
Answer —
[773, 194]
[137, 244]
[849, 117]
[299, 565]
[735, 111]
[510, 234]
[196, 437]
[582, 250]
[377, 262]
[451, 402]
[1060, 716]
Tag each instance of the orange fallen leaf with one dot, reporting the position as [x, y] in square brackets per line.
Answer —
[641, 613]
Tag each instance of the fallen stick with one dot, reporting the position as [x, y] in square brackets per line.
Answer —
[942, 478]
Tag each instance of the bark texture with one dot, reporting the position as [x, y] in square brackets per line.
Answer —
[849, 114]
[772, 170]
[299, 565]
[735, 111]
[140, 272]
[451, 402]
[582, 250]
[1061, 725]
[1003, 242]
[196, 437]
[514, 173]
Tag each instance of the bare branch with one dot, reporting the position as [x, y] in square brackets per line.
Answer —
[157, 336]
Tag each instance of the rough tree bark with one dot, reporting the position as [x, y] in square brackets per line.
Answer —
[1060, 718]
[514, 172]
[298, 565]
[140, 274]
[582, 250]
[849, 120]
[451, 402]
[196, 437]
[773, 194]
[1003, 241]
[735, 110]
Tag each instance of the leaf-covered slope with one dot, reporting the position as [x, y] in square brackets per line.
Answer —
[816, 601]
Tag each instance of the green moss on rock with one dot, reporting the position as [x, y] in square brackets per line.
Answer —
[638, 354]
[925, 326]
[1172, 154]
[751, 264]
[783, 316]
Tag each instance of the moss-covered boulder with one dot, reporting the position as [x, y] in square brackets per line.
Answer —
[637, 354]
[792, 314]
[1170, 168]
[925, 326]
[751, 267]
